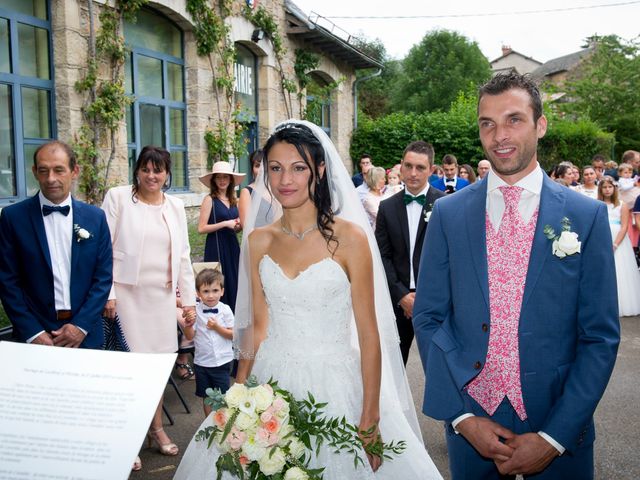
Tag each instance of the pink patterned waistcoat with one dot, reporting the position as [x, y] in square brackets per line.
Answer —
[508, 252]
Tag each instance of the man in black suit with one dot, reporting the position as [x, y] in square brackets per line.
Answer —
[400, 225]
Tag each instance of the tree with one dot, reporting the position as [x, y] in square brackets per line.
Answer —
[437, 69]
[373, 95]
[607, 89]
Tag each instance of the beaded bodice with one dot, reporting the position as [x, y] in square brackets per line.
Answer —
[309, 313]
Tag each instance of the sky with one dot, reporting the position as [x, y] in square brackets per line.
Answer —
[542, 36]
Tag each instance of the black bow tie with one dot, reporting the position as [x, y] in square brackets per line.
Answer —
[48, 210]
[209, 310]
[451, 180]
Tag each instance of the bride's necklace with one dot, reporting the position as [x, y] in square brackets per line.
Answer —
[299, 236]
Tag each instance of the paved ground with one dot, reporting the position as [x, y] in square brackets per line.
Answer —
[617, 419]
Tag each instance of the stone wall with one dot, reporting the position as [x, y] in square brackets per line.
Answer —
[70, 20]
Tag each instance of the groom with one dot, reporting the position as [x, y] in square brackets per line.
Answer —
[55, 258]
[517, 332]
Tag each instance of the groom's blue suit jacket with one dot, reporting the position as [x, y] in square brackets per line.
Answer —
[569, 328]
[27, 279]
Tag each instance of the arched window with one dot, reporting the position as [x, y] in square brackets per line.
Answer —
[26, 93]
[319, 103]
[154, 77]
[246, 90]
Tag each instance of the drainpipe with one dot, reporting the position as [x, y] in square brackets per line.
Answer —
[355, 94]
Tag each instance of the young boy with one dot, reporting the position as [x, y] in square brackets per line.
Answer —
[212, 333]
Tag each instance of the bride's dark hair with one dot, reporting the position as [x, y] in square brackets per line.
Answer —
[312, 152]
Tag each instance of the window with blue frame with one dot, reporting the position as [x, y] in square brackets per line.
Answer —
[26, 93]
[154, 77]
[319, 103]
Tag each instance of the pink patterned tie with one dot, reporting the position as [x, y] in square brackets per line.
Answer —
[508, 252]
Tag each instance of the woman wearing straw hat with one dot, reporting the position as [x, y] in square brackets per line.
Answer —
[219, 219]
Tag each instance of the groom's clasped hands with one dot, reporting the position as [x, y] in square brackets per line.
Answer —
[513, 454]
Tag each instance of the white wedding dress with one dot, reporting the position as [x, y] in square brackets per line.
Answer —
[310, 347]
[627, 274]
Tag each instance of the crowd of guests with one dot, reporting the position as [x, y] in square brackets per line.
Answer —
[618, 185]
[146, 268]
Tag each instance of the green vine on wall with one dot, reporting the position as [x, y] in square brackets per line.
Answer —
[225, 139]
[263, 19]
[106, 99]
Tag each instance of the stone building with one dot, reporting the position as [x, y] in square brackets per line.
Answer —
[512, 60]
[45, 50]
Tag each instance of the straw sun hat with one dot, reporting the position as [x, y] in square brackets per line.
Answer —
[225, 168]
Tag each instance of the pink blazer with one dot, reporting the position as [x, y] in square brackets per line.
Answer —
[126, 221]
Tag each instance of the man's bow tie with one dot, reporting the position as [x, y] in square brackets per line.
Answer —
[48, 210]
[421, 199]
[209, 310]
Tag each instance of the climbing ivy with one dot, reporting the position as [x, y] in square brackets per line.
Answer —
[225, 139]
[106, 101]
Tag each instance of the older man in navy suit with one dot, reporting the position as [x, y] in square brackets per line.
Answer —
[516, 314]
[55, 258]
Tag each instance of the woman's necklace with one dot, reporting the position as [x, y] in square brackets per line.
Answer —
[299, 236]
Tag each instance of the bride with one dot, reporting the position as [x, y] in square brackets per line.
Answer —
[320, 319]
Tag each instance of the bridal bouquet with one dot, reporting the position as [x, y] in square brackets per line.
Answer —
[263, 433]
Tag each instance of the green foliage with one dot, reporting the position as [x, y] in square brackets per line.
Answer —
[223, 142]
[306, 61]
[108, 42]
[262, 19]
[441, 65]
[129, 8]
[374, 97]
[317, 97]
[456, 132]
[573, 140]
[196, 240]
[4, 319]
[110, 103]
[107, 101]
[607, 89]
[453, 132]
[92, 178]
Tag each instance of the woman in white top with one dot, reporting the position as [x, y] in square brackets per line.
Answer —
[376, 180]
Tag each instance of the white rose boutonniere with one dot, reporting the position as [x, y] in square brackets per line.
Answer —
[566, 243]
[81, 233]
[427, 212]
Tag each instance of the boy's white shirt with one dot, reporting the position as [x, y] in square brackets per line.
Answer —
[211, 348]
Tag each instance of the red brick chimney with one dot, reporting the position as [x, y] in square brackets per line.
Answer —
[506, 50]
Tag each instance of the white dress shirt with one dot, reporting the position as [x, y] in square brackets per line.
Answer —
[414, 214]
[59, 232]
[528, 204]
[211, 348]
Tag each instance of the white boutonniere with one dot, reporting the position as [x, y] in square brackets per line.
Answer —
[427, 212]
[565, 244]
[81, 233]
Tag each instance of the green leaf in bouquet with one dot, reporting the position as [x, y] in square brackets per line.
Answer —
[230, 422]
[251, 382]
[215, 398]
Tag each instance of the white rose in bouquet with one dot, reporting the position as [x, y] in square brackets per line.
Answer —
[252, 450]
[272, 463]
[236, 394]
[263, 397]
[296, 448]
[246, 422]
[295, 473]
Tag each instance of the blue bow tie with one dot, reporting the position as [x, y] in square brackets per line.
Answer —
[209, 310]
[48, 210]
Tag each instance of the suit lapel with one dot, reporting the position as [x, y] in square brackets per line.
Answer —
[550, 212]
[428, 205]
[35, 212]
[476, 211]
[78, 219]
[401, 209]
